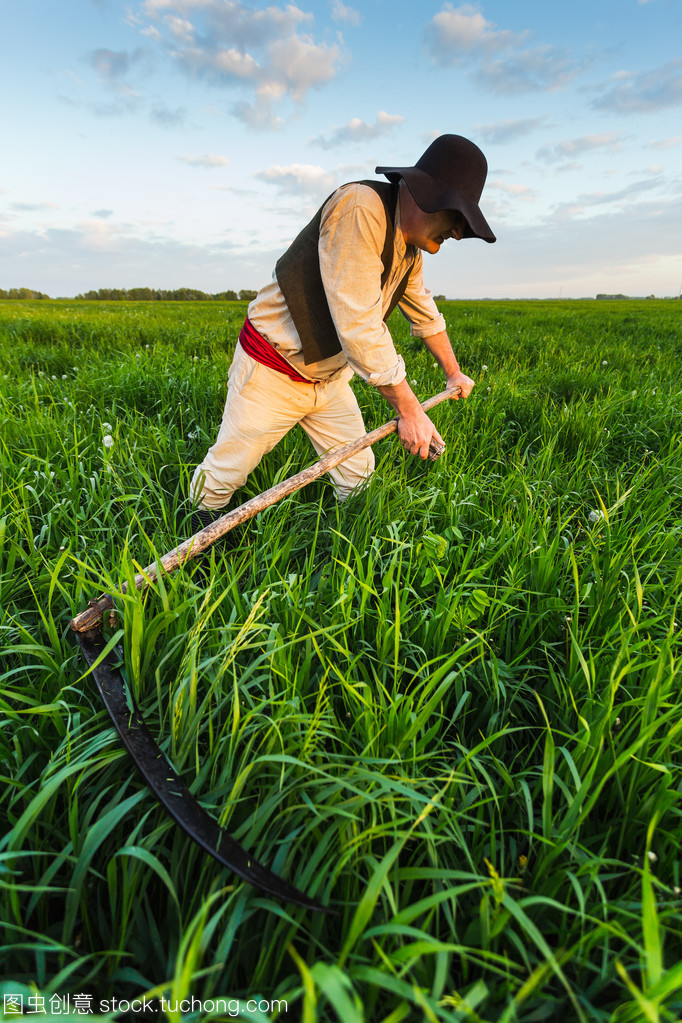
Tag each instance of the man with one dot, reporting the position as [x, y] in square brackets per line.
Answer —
[322, 319]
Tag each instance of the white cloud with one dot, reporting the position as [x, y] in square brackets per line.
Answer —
[623, 199]
[231, 45]
[667, 143]
[33, 207]
[643, 93]
[230, 20]
[96, 254]
[115, 68]
[208, 160]
[222, 64]
[570, 148]
[461, 35]
[301, 64]
[633, 249]
[357, 130]
[152, 33]
[522, 192]
[168, 117]
[542, 69]
[347, 15]
[506, 131]
[454, 31]
[110, 64]
[260, 114]
[180, 28]
[299, 179]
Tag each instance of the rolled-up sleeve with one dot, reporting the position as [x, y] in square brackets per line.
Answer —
[352, 233]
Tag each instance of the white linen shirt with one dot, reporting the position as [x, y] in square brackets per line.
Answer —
[352, 235]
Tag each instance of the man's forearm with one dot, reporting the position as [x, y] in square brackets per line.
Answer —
[401, 397]
[415, 429]
[441, 349]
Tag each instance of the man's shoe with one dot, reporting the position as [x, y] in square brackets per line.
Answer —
[202, 517]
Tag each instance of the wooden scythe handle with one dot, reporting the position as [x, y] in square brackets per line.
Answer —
[92, 616]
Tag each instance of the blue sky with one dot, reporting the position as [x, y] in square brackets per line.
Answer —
[185, 142]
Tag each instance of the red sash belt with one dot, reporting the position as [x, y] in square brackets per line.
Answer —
[259, 349]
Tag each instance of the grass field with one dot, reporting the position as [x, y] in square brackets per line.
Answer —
[449, 709]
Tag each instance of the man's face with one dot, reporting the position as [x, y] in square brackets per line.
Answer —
[428, 231]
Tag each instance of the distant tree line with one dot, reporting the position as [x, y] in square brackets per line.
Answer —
[143, 295]
[21, 293]
[162, 295]
[628, 297]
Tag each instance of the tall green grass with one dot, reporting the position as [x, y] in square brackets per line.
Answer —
[449, 708]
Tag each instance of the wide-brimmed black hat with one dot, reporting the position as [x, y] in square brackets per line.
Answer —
[449, 176]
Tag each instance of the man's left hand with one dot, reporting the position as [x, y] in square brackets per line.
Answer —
[465, 384]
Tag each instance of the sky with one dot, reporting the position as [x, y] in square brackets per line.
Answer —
[184, 143]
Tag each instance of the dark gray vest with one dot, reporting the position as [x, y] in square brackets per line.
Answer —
[300, 280]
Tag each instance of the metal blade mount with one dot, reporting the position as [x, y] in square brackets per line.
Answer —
[167, 786]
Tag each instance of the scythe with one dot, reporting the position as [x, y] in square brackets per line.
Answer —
[157, 772]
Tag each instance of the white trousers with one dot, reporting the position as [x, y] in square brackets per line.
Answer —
[262, 405]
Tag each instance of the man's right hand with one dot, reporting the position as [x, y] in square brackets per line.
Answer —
[417, 433]
[415, 430]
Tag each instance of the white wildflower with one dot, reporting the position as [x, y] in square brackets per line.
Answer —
[53, 377]
[108, 441]
[677, 890]
[634, 393]
[604, 362]
[107, 427]
[652, 856]
[596, 515]
[64, 376]
[414, 383]
[484, 369]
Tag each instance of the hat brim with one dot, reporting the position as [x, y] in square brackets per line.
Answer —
[432, 198]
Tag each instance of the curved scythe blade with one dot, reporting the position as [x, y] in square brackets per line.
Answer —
[166, 785]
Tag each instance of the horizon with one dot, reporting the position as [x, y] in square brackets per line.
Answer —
[219, 297]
